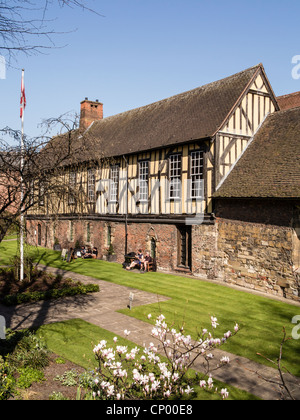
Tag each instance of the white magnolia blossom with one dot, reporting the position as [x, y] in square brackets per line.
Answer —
[124, 373]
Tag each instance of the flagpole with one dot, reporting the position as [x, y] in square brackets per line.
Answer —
[22, 187]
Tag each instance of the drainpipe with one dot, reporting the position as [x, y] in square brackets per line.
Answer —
[126, 212]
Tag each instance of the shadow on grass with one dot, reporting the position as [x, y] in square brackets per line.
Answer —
[31, 315]
[261, 318]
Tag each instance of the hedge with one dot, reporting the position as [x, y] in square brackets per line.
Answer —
[26, 297]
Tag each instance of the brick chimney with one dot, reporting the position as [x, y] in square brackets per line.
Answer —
[90, 111]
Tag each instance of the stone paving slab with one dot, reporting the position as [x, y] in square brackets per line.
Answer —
[100, 309]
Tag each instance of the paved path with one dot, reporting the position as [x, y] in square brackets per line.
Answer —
[100, 309]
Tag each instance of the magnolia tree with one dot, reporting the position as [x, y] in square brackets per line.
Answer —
[142, 374]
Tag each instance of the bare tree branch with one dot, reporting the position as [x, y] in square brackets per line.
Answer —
[18, 33]
[44, 173]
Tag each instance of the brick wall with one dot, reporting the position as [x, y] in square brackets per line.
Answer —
[140, 235]
[254, 254]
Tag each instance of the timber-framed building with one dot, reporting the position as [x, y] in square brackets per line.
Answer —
[172, 177]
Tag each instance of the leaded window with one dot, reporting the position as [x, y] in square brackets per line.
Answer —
[143, 180]
[114, 183]
[196, 174]
[91, 186]
[175, 176]
[72, 186]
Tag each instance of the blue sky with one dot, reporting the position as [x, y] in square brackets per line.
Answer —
[142, 51]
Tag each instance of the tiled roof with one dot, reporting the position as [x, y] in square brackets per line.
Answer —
[270, 167]
[192, 115]
[289, 101]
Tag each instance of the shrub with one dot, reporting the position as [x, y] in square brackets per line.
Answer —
[15, 263]
[28, 376]
[57, 396]
[7, 381]
[69, 378]
[60, 361]
[70, 290]
[25, 354]
[30, 351]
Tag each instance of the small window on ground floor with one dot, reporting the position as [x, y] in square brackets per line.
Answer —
[39, 232]
[88, 232]
[184, 246]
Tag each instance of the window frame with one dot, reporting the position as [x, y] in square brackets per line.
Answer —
[143, 175]
[91, 186]
[175, 176]
[72, 184]
[196, 174]
[114, 177]
[88, 232]
[41, 193]
[71, 231]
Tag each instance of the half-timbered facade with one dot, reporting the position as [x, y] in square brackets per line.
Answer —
[149, 175]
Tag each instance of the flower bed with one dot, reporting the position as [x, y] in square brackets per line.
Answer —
[40, 286]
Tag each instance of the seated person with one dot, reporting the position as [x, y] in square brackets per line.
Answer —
[137, 262]
[88, 254]
[95, 253]
[83, 251]
[146, 261]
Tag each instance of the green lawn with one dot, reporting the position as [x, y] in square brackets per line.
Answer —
[194, 301]
[11, 236]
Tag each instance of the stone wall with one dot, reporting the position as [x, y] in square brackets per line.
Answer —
[205, 250]
[258, 241]
[258, 257]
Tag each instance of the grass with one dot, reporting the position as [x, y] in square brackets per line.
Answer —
[193, 302]
[11, 236]
[75, 339]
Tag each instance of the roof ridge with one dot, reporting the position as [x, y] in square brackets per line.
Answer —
[181, 93]
[289, 94]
